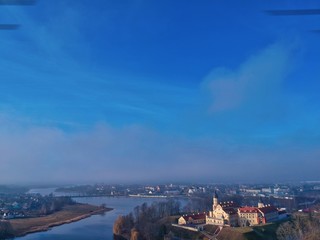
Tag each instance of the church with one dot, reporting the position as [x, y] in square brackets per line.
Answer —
[224, 213]
[232, 215]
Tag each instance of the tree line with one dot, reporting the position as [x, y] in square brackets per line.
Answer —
[146, 222]
[54, 204]
[300, 227]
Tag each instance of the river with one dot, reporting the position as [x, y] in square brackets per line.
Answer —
[97, 227]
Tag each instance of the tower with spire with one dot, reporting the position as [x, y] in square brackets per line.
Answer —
[215, 201]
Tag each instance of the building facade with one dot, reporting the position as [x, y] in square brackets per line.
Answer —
[262, 214]
[248, 216]
[192, 219]
[222, 213]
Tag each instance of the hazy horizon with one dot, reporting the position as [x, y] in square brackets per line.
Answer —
[159, 91]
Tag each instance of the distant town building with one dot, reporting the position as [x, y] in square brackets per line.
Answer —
[267, 190]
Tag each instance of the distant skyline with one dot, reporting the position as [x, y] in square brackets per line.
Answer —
[159, 91]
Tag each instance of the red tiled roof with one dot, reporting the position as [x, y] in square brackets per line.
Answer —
[268, 209]
[248, 210]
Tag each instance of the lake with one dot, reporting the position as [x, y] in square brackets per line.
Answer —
[98, 227]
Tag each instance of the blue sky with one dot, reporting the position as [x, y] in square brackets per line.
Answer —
[134, 91]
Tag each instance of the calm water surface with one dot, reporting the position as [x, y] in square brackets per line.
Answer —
[97, 227]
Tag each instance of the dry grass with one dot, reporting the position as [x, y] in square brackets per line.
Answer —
[231, 234]
[243, 229]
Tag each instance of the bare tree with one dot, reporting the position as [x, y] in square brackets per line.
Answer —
[287, 231]
[300, 228]
[134, 234]
[118, 225]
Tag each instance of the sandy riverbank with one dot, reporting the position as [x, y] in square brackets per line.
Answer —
[68, 214]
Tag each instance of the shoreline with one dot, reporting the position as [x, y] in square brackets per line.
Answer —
[69, 214]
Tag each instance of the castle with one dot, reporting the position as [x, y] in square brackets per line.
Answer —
[231, 214]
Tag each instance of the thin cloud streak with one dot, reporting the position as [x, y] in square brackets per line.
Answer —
[45, 77]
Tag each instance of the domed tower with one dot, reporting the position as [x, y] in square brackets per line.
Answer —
[215, 200]
[260, 203]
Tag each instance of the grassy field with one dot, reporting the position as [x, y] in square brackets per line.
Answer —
[68, 214]
[266, 231]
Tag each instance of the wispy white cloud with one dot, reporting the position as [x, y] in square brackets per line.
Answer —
[256, 80]
[47, 74]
